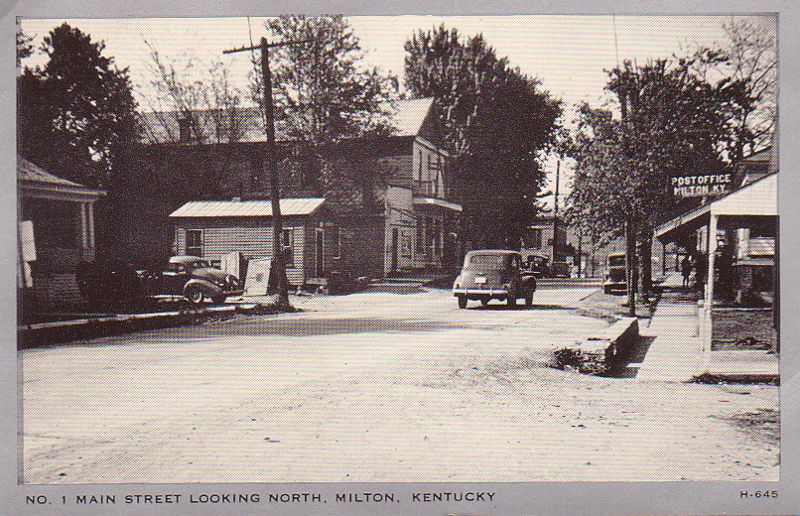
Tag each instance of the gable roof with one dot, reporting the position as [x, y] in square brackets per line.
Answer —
[35, 182]
[289, 207]
[410, 114]
[407, 116]
[30, 173]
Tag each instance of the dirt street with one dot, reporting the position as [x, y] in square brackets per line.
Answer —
[374, 387]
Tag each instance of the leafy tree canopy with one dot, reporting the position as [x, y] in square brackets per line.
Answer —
[324, 91]
[496, 121]
[76, 115]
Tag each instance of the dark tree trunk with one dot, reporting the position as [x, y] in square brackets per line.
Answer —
[644, 252]
[631, 271]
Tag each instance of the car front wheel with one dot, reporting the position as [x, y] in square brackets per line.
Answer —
[462, 301]
[195, 295]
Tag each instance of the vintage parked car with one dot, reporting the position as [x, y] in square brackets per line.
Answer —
[109, 283]
[615, 280]
[536, 264]
[560, 270]
[494, 274]
[191, 277]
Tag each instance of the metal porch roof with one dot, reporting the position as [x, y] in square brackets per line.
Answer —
[759, 198]
[261, 208]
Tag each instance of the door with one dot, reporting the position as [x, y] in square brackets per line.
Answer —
[319, 254]
[395, 250]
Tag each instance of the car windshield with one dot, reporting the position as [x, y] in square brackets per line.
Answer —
[616, 261]
[491, 261]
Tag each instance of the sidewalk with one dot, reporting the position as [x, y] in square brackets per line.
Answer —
[676, 352]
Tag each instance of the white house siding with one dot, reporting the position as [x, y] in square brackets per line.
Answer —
[252, 238]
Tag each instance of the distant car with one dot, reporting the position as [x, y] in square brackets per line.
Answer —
[615, 280]
[560, 270]
[536, 264]
[193, 278]
[494, 274]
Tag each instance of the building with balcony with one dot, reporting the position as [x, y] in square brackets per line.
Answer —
[389, 208]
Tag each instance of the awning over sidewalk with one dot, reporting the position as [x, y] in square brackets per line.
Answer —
[433, 203]
[758, 199]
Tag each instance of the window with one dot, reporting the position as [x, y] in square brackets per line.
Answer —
[429, 167]
[287, 243]
[336, 242]
[194, 242]
[437, 237]
[492, 261]
[185, 129]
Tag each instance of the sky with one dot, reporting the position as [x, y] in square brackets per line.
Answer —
[569, 54]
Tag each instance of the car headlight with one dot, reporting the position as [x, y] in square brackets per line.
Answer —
[505, 286]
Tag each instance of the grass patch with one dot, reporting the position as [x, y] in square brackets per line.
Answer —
[609, 307]
[735, 329]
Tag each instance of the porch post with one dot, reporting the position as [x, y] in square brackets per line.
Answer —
[90, 228]
[709, 290]
[712, 251]
[84, 223]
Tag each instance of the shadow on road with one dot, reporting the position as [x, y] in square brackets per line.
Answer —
[504, 307]
[298, 327]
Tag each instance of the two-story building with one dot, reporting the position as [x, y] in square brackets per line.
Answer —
[388, 208]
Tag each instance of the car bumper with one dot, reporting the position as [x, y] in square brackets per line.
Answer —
[479, 292]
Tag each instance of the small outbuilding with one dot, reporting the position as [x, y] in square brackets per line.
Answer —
[217, 230]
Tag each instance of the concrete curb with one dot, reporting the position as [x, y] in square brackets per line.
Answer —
[43, 334]
[599, 354]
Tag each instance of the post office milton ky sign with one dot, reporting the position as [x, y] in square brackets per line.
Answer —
[701, 185]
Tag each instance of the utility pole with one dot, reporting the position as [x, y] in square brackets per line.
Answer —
[556, 256]
[272, 164]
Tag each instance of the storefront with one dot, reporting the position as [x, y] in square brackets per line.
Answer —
[735, 238]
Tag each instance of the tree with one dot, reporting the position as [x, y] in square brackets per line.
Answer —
[496, 121]
[24, 46]
[748, 63]
[76, 115]
[324, 94]
[203, 94]
[672, 121]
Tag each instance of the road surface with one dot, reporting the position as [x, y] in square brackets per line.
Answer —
[373, 387]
